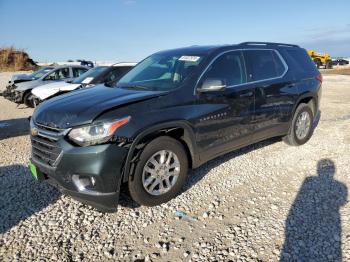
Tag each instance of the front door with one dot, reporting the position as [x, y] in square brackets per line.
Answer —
[225, 122]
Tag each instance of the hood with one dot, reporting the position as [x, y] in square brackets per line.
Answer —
[83, 106]
[28, 85]
[48, 90]
[20, 78]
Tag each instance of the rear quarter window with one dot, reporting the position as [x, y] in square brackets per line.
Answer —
[301, 62]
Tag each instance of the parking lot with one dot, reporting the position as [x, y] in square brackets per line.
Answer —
[263, 202]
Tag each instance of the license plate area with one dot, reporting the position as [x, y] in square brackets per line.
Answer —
[36, 174]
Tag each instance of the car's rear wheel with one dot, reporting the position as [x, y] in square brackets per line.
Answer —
[302, 127]
[28, 99]
[160, 172]
[317, 63]
[329, 64]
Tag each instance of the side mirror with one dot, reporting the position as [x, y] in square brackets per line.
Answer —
[212, 85]
[69, 81]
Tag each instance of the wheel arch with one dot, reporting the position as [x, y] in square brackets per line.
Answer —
[25, 92]
[309, 99]
[179, 130]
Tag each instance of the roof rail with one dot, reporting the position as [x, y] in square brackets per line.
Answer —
[267, 44]
[124, 63]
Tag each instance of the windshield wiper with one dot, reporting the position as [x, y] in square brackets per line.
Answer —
[138, 87]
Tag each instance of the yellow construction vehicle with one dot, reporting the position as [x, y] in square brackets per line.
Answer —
[320, 59]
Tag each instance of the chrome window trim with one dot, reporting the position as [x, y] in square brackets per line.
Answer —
[242, 50]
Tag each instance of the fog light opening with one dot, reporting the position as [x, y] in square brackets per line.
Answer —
[83, 182]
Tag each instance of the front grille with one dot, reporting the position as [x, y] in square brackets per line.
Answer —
[54, 130]
[45, 148]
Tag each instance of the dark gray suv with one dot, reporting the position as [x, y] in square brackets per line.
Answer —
[173, 111]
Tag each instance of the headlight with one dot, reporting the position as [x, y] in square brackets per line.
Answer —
[96, 133]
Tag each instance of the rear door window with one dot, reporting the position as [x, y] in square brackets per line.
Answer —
[117, 73]
[264, 64]
[58, 74]
[78, 71]
[228, 68]
[124, 69]
[112, 76]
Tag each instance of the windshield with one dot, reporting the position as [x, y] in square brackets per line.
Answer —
[37, 74]
[88, 76]
[160, 72]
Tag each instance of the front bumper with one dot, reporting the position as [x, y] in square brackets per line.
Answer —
[90, 174]
[12, 94]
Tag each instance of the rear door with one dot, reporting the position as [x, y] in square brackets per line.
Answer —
[226, 117]
[272, 91]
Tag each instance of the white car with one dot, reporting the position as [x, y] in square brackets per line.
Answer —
[96, 75]
[20, 87]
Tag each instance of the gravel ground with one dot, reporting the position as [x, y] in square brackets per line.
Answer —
[266, 202]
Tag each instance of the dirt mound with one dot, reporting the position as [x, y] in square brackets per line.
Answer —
[12, 59]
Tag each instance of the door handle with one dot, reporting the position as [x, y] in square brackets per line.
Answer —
[248, 94]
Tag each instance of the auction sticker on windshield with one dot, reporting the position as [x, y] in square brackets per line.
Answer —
[87, 80]
[189, 58]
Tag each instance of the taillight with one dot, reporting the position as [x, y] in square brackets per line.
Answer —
[319, 78]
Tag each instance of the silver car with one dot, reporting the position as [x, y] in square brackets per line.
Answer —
[17, 78]
[21, 92]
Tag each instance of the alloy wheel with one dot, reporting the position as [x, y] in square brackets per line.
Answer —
[303, 125]
[160, 172]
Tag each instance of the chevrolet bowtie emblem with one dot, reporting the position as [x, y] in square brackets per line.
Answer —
[34, 131]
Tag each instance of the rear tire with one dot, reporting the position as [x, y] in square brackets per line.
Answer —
[329, 64]
[27, 99]
[165, 152]
[317, 63]
[302, 127]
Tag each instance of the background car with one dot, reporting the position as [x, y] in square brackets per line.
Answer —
[340, 61]
[17, 78]
[98, 75]
[86, 63]
[21, 92]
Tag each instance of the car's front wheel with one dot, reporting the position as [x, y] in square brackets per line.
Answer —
[28, 99]
[301, 128]
[160, 172]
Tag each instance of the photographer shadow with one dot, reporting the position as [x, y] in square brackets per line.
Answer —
[21, 196]
[313, 226]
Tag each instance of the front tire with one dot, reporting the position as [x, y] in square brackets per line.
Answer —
[28, 99]
[302, 127]
[160, 172]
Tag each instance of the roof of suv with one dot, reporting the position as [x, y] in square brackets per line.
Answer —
[124, 64]
[210, 48]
